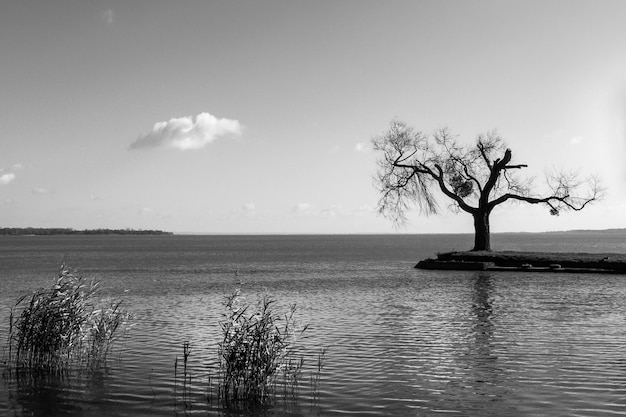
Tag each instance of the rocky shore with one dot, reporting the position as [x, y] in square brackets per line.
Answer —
[528, 261]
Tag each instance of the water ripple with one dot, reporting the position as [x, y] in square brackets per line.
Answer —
[400, 341]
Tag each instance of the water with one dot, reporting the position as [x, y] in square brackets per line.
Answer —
[400, 341]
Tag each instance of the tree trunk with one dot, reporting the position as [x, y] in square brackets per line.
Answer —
[481, 231]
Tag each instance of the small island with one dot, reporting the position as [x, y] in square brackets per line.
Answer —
[41, 231]
[527, 261]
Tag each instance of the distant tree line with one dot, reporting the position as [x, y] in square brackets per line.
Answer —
[39, 231]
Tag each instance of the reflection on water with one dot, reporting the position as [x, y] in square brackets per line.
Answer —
[69, 394]
[400, 341]
[481, 341]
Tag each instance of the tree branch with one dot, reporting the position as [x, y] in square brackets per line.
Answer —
[494, 174]
[516, 166]
[438, 177]
[565, 200]
[442, 185]
[483, 152]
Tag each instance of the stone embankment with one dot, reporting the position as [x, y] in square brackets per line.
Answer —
[528, 261]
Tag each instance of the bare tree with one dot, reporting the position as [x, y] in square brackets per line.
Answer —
[415, 169]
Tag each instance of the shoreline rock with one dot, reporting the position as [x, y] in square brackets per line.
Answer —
[527, 261]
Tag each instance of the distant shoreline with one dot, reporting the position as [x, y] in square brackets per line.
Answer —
[41, 231]
[52, 231]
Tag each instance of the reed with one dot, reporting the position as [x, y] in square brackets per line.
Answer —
[256, 349]
[315, 376]
[66, 325]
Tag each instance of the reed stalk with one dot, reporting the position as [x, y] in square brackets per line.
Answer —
[315, 376]
[66, 325]
[256, 348]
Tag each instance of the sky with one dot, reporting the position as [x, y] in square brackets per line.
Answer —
[257, 116]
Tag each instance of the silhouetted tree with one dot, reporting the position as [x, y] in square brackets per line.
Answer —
[414, 167]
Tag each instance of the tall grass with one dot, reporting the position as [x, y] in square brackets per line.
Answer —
[66, 325]
[315, 376]
[257, 348]
[186, 375]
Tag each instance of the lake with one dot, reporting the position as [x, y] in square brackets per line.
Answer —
[400, 341]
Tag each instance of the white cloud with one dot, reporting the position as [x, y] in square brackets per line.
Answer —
[328, 212]
[145, 211]
[249, 208]
[246, 210]
[576, 140]
[7, 178]
[364, 209]
[108, 16]
[333, 211]
[361, 147]
[302, 208]
[39, 191]
[187, 133]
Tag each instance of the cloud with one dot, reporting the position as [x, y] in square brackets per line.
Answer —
[187, 133]
[334, 211]
[576, 140]
[302, 208]
[364, 209]
[108, 16]
[145, 211]
[7, 175]
[361, 147]
[7, 178]
[249, 208]
[39, 191]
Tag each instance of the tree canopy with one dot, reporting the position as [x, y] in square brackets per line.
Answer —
[417, 169]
